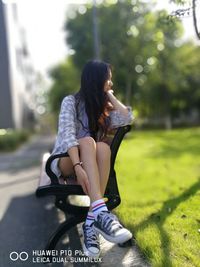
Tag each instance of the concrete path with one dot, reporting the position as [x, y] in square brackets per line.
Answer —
[27, 222]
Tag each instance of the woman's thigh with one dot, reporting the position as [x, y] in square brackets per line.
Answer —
[65, 165]
[85, 144]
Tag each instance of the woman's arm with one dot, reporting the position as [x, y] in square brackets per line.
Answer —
[66, 137]
[67, 141]
[79, 171]
[73, 154]
[120, 115]
[117, 104]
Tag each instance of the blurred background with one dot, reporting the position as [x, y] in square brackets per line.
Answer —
[154, 48]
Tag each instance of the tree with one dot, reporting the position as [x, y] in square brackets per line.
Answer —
[150, 64]
[120, 41]
[65, 81]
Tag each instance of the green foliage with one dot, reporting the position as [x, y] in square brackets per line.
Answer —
[153, 69]
[66, 80]
[11, 139]
[159, 183]
[79, 37]
[119, 42]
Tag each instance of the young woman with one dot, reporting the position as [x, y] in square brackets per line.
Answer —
[84, 120]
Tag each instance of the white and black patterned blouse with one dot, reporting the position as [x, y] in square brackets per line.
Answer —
[70, 128]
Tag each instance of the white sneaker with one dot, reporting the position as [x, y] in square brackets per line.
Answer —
[110, 228]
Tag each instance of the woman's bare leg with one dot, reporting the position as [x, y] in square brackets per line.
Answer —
[96, 162]
[65, 165]
[103, 161]
[89, 159]
[103, 154]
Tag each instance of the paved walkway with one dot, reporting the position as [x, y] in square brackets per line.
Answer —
[27, 222]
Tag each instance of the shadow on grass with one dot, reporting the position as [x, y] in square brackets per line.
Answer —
[159, 219]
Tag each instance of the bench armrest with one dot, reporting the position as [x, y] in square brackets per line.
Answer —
[50, 173]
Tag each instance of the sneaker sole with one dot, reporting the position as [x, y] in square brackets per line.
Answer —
[89, 253]
[119, 239]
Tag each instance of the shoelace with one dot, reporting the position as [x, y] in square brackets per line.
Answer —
[90, 235]
[110, 222]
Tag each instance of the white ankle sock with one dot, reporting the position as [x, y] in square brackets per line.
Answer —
[90, 218]
[98, 206]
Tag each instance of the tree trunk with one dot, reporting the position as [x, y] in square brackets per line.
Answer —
[168, 122]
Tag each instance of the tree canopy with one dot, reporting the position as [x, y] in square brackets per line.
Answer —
[154, 70]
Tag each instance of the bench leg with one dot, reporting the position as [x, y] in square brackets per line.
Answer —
[62, 229]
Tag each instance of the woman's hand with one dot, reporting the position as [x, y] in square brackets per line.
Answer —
[82, 179]
[117, 105]
[110, 91]
[108, 86]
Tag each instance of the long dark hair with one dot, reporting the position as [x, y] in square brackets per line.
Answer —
[93, 78]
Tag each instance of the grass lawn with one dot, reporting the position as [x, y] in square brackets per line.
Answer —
[159, 181]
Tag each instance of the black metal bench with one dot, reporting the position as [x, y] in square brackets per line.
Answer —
[76, 214]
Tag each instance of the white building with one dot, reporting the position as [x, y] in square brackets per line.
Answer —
[17, 77]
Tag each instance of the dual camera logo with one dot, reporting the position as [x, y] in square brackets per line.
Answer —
[14, 256]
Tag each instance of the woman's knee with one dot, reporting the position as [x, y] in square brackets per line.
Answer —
[87, 141]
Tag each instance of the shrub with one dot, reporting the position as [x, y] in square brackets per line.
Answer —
[11, 139]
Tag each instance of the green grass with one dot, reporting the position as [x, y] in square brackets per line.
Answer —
[159, 181]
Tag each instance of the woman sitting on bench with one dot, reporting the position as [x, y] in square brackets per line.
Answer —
[84, 121]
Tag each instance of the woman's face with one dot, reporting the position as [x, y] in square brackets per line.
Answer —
[108, 84]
